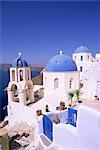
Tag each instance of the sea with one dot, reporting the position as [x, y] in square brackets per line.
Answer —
[4, 80]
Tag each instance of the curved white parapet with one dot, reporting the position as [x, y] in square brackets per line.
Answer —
[65, 135]
[88, 127]
[46, 144]
[85, 136]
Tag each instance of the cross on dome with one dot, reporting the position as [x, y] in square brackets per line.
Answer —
[61, 52]
[19, 54]
[82, 45]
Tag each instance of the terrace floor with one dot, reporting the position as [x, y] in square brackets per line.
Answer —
[95, 104]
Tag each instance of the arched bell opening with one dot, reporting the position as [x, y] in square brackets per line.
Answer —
[21, 75]
[13, 75]
[15, 94]
[29, 93]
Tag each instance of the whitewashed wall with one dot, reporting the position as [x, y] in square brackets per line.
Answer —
[18, 113]
[86, 136]
[86, 63]
[64, 80]
[88, 127]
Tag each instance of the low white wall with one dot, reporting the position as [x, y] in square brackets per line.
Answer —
[88, 127]
[18, 112]
[65, 136]
[62, 115]
[86, 136]
[40, 124]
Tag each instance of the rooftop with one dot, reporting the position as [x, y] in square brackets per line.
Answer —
[61, 63]
[95, 104]
[82, 49]
[19, 62]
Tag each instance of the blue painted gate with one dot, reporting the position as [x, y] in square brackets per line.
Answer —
[48, 127]
[72, 116]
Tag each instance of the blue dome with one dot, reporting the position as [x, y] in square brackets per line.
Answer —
[82, 49]
[61, 63]
[19, 62]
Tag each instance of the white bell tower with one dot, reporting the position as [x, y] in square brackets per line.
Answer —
[20, 87]
[83, 59]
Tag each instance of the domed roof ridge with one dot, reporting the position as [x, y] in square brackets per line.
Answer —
[19, 62]
[82, 49]
[61, 63]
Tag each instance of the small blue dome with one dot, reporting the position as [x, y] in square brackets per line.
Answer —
[82, 49]
[19, 62]
[61, 63]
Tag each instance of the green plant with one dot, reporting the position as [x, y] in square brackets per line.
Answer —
[78, 93]
[70, 95]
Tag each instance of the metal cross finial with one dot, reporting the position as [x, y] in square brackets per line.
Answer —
[19, 54]
[61, 52]
[81, 45]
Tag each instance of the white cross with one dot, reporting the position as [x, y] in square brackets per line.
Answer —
[19, 54]
[61, 52]
[82, 46]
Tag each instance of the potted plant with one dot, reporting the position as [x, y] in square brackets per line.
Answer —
[46, 108]
[39, 112]
[62, 105]
[70, 97]
[56, 119]
[78, 93]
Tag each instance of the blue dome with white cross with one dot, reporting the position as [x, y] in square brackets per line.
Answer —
[19, 62]
[61, 63]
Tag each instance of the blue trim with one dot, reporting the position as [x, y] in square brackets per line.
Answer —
[19, 62]
[48, 127]
[72, 116]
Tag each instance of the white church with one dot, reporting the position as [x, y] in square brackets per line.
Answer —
[61, 75]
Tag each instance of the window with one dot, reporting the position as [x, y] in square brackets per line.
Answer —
[88, 57]
[21, 75]
[81, 69]
[15, 91]
[70, 83]
[13, 75]
[81, 58]
[28, 74]
[56, 83]
[19, 63]
[74, 57]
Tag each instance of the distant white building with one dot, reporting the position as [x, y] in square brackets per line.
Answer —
[83, 59]
[89, 68]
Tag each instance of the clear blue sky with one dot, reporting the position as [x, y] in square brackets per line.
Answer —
[40, 29]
